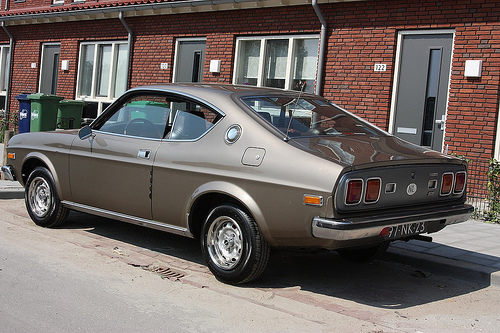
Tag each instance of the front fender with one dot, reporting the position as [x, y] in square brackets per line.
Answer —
[34, 159]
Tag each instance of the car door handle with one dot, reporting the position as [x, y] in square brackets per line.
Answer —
[144, 154]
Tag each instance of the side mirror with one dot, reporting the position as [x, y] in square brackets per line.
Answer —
[85, 132]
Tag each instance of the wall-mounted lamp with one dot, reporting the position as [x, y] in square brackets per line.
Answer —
[65, 65]
[473, 68]
[215, 66]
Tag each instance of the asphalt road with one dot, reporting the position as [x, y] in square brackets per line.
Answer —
[97, 275]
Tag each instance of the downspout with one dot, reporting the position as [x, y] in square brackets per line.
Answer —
[322, 47]
[129, 44]
[11, 51]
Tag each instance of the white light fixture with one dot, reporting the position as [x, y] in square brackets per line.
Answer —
[473, 68]
[65, 65]
[215, 66]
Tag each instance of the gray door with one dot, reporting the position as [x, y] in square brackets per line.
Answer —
[49, 69]
[190, 60]
[423, 89]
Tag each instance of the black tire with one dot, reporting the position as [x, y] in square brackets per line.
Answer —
[233, 246]
[364, 254]
[42, 201]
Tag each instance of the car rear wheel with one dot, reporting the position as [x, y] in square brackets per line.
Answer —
[42, 201]
[363, 254]
[233, 246]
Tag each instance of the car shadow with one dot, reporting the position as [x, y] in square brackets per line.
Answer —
[385, 283]
[146, 238]
[382, 283]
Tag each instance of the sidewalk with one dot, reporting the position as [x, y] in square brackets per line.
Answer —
[468, 250]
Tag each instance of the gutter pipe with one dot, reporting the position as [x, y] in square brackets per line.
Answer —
[11, 52]
[322, 47]
[129, 44]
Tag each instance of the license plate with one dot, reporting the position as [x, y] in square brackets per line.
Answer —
[403, 230]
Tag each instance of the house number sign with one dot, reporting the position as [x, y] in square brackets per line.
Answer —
[380, 67]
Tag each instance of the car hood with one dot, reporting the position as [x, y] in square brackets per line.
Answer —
[363, 151]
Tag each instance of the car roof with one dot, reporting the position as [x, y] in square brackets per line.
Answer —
[209, 91]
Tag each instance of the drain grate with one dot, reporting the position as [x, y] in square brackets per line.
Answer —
[165, 272]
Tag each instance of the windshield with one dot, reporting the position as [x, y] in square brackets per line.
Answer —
[309, 117]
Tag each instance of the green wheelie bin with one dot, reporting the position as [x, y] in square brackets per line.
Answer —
[43, 112]
[69, 115]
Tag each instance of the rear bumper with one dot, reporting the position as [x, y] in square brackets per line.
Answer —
[372, 226]
[8, 173]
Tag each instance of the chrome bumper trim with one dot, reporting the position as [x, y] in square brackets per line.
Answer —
[7, 173]
[366, 227]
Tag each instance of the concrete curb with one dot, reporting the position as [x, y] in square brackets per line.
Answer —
[445, 266]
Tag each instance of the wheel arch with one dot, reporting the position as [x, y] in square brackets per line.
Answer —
[213, 194]
[34, 160]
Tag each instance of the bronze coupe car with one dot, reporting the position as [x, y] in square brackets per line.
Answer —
[243, 169]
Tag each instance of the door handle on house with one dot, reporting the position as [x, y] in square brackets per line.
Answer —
[144, 154]
[441, 122]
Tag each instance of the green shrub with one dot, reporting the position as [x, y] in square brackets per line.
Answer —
[5, 123]
[493, 213]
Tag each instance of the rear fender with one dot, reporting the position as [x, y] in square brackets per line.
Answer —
[236, 193]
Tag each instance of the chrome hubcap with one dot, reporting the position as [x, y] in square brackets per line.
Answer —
[224, 240]
[40, 197]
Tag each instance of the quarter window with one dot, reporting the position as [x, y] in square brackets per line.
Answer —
[102, 72]
[279, 62]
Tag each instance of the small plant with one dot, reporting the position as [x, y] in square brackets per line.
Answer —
[462, 157]
[493, 213]
[5, 123]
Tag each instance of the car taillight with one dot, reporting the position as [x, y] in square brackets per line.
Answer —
[354, 191]
[447, 183]
[459, 182]
[372, 190]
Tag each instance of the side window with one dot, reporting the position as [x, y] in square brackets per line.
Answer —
[191, 120]
[143, 116]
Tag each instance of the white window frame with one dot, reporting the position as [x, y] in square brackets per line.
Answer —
[58, 2]
[4, 70]
[93, 97]
[262, 57]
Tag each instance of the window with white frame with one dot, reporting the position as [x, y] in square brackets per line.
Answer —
[287, 62]
[102, 72]
[4, 68]
[4, 78]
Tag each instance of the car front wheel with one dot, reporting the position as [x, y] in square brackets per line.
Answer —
[42, 201]
[233, 246]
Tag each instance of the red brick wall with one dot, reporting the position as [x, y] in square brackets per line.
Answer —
[365, 33]
[28, 47]
[155, 41]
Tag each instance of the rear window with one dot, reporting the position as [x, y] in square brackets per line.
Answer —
[309, 117]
